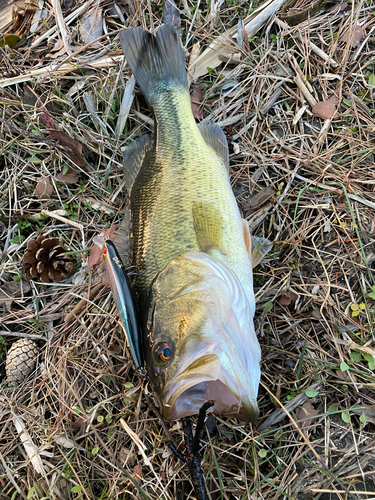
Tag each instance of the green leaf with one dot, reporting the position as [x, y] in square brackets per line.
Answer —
[332, 409]
[356, 356]
[371, 295]
[34, 159]
[11, 41]
[100, 418]
[65, 169]
[31, 493]
[311, 393]
[344, 367]
[267, 307]
[95, 450]
[346, 417]
[371, 365]
[128, 385]
[371, 80]
[76, 489]
[363, 418]
[347, 102]
[262, 453]
[368, 357]
[278, 434]
[95, 310]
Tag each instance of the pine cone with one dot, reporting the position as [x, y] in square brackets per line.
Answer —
[21, 360]
[43, 258]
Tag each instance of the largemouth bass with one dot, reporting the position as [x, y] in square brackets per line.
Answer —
[192, 250]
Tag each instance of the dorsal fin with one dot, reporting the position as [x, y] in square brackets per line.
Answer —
[215, 137]
[134, 157]
[208, 227]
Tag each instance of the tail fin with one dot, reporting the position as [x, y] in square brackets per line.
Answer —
[156, 61]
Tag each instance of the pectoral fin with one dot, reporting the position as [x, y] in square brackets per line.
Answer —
[134, 157]
[215, 137]
[257, 248]
[208, 227]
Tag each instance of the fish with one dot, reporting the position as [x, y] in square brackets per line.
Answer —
[192, 251]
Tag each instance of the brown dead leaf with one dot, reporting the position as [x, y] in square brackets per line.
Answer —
[127, 456]
[96, 255]
[94, 258]
[62, 137]
[341, 7]
[342, 374]
[315, 313]
[305, 411]
[44, 189]
[16, 288]
[105, 279]
[22, 15]
[356, 34]
[288, 298]
[11, 290]
[78, 424]
[225, 435]
[92, 26]
[326, 109]
[70, 177]
[137, 471]
[260, 198]
[195, 98]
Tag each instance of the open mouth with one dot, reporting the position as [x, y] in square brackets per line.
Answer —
[202, 381]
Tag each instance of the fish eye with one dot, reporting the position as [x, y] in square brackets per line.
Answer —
[164, 352]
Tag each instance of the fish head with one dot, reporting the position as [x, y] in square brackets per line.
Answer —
[202, 340]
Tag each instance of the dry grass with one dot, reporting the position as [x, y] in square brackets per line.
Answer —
[85, 409]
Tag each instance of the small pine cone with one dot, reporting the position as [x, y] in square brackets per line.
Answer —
[43, 259]
[21, 360]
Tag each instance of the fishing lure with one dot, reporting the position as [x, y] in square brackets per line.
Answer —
[124, 299]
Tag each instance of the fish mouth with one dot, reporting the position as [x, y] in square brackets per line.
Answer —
[206, 380]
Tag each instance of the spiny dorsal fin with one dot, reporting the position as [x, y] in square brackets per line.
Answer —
[134, 157]
[215, 137]
[208, 227]
[257, 248]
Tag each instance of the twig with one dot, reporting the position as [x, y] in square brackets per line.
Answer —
[54, 215]
[82, 303]
[354, 197]
[363, 44]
